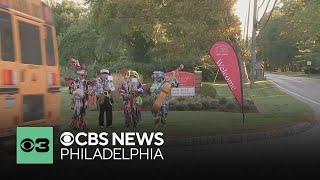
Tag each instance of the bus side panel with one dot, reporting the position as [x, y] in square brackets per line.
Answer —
[53, 108]
[9, 111]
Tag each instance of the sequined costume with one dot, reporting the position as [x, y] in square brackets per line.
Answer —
[131, 90]
[79, 100]
[78, 88]
[156, 88]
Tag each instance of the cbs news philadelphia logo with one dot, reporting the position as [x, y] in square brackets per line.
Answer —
[34, 145]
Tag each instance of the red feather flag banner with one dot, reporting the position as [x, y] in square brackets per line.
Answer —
[226, 60]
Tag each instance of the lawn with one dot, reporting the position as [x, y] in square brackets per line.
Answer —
[298, 74]
[276, 109]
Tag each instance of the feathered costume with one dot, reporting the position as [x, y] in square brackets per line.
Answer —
[78, 88]
[131, 90]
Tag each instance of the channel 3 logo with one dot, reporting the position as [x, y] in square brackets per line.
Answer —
[27, 145]
[34, 145]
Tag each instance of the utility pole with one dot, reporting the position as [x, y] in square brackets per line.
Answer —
[253, 50]
[248, 19]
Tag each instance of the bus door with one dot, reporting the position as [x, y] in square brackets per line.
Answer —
[31, 69]
[52, 73]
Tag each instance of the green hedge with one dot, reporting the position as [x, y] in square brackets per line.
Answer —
[222, 101]
[207, 103]
[208, 90]
[231, 105]
[191, 104]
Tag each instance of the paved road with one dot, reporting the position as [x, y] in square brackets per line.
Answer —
[305, 89]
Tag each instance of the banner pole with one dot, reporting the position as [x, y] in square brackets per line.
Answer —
[216, 76]
[242, 117]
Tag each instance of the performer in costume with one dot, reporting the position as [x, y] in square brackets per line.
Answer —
[155, 90]
[78, 88]
[131, 90]
[103, 93]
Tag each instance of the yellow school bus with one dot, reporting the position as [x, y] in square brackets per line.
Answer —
[29, 66]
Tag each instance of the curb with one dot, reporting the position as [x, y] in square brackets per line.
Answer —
[241, 138]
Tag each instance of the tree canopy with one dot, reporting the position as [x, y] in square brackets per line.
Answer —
[292, 34]
[146, 34]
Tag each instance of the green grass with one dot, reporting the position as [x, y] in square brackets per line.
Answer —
[268, 99]
[276, 110]
[298, 74]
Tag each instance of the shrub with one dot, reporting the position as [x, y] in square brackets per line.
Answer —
[222, 101]
[198, 105]
[231, 105]
[313, 70]
[250, 102]
[214, 104]
[172, 107]
[195, 105]
[181, 106]
[173, 104]
[246, 106]
[181, 98]
[192, 105]
[205, 102]
[208, 90]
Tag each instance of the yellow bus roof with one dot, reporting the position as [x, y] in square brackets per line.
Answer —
[33, 8]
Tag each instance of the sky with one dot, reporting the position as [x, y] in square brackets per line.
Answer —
[241, 10]
[242, 7]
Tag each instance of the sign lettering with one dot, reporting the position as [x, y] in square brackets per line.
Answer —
[186, 79]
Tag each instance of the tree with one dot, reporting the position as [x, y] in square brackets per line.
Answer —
[276, 45]
[79, 41]
[138, 47]
[292, 34]
[65, 14]
[307, 24]
[165, 33]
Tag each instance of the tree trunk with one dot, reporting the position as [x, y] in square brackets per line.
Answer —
[244, 72]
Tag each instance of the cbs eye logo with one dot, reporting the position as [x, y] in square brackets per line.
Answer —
[67, 139]
[40, 145]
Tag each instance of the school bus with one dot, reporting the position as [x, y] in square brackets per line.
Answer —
[29, 66]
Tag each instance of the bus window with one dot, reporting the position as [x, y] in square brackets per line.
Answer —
[6, 37]
[49, 47]
[33, 107]
[30, 43]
